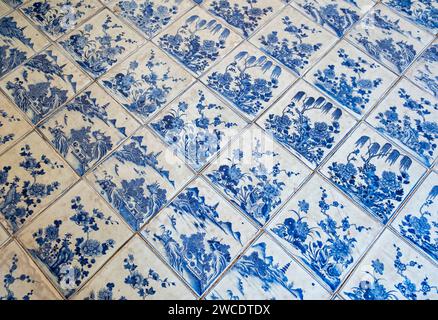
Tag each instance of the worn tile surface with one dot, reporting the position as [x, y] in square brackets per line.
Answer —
[218, 149]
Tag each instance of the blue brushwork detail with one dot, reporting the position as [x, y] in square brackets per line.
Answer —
[375, 290]
[141, 283]
[190, 49]
[249, 94]
[297, 131]
[328, 258]
[19, 196]
[359, 178]
[67, 257]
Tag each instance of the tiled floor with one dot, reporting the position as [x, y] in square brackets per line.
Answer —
[229, 149]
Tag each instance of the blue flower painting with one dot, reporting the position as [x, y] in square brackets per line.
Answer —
[294, 126]
[100, 43]
[410, 119]
[150, 16]
[244, 15]
[146, 83]
[248, 81]
[397, 276]
[197, 43]
[60, 16]
[418, 220]
[197, 128]
[374, 173]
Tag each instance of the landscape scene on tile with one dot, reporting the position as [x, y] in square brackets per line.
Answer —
[219, 149]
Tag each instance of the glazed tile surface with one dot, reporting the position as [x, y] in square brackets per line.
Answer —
[229, 149]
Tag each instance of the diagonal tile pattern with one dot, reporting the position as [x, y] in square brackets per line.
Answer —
[229, 149]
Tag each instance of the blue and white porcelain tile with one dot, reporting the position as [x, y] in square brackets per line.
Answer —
[140, 178]
[146, 81]
[58, 17]
[20, 277]
[282, 278]
[389, 39]
[245, 16]
[324, 230]
[249, 80]
[32, 175]
[374, 172]
[198, 40]
[100, 43]
[392, 270]
[351, 78]
[421, 12]
[4, 236]
[74, 237]
[44, 83]
[135, 273]
[307, 123]
[199, 234]
[418, 220]
[218, 149]
[294, 40]
[424, 72]
[150, 16]
[88, 128]
[197, 125]
[338, 16]
[19, 40]
[409, 116]
[13, 126]
[256, 174]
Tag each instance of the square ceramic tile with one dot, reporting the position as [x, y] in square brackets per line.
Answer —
[199, 234]
[148, 16]
[256, 174]
[197, 125]
[44, 83]
[335, 15]
[389, 39]
[197, 40]
[351, 78]
[307, 123]
[88, 128]
[20, 278]
[246, 16]
[424, 72]
[294, 40]
[4, 236]
[101, 43]
[249, 80]
[282, 278]
[32, 175]
[135, 273]
[19, 40]
[373, 172]
[12, 124]
[417, 221]
[146, 81]
[324, 230]
[74, 237]
[409, 117]
[57, 17]
[140, 178]
[392, 270]
[421, 12]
